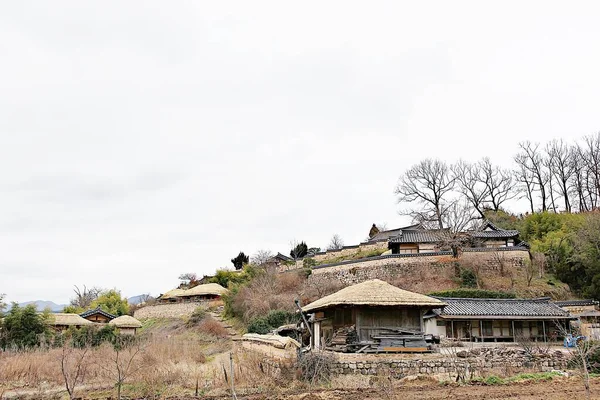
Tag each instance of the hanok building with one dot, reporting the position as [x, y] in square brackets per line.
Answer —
[587, 314]
[491, 236]
[98, 316]
[416, 240]
[369, 313]
[497, 320]
[63, 321]
[126, 325]
[277, 260]
[209, 291]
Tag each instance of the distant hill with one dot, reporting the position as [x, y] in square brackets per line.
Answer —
[41, 305]
[135, 300]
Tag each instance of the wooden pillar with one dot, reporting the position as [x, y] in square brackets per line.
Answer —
[452, 327]
[317, 334]
[544, 329]
[513, 331]
[481, 330]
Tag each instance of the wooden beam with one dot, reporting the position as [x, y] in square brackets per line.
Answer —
[406, 349]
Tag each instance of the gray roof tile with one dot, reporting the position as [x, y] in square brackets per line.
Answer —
[489, 308]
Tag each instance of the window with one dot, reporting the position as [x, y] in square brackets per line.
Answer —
[487, 328]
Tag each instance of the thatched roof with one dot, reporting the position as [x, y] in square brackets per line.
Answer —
[67, 319]
[280, 342]
[172, 293]
[126, 321]
[374, 293]
[207, 289]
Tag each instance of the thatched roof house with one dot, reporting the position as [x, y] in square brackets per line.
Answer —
[201, 292]
[64, 320]
[367, 311]
[374, 293]
[126, 324]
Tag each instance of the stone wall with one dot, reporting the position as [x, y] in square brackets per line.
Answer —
[477, 359]
[388, 267]
[176, 310]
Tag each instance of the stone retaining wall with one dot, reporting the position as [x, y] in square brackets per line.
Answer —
[177, 310]
[479, 359]
[390, 268]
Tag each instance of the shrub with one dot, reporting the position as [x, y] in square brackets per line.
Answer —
[468, 278]
[23, 327]
[276, 318]
[212, 327]
[316, 367]
[259, 325]
[309, 262]
[198, 315]
[465, 293]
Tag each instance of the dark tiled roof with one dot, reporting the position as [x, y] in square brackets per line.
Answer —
[493, 232]
[97, 310]
[385, 235]
[501, 308]
[418, 236]
[567, 303]
[282, 257]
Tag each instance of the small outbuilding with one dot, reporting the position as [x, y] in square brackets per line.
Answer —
[371, 315]
[126, 324]
[63, 321]
[587, 314]
[208, 291]
[98, 316]
[497, 320]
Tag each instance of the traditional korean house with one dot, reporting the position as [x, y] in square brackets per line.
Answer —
[496, 320]
[369, 314]
[208, 291]
[417, 240]
[491, 236]
[277, 260]
[587, 314]
[98, 316]
[63, 321]
[126, 324]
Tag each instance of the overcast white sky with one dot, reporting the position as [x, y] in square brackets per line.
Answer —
[140, 140]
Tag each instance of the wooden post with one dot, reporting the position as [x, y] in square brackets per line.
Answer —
[233, 396]
[544, 329]
[452, 327]
[513, 331]
[481, 330]
[317, 334]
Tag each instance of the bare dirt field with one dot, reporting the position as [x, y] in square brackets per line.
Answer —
[558, 389]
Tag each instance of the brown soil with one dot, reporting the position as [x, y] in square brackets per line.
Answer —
[558, 389]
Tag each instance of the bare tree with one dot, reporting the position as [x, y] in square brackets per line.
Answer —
[470, 184]
[530, 269]
[525, 179]
[73, 365]
[335, 243]
[530, 159]
[561, 168]
[261, 257]
[580, 177]
[189, 280]
[458, 219]
[427, 185]
[120, 366]
[498, 182]
[580, 353]
[84, 298]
